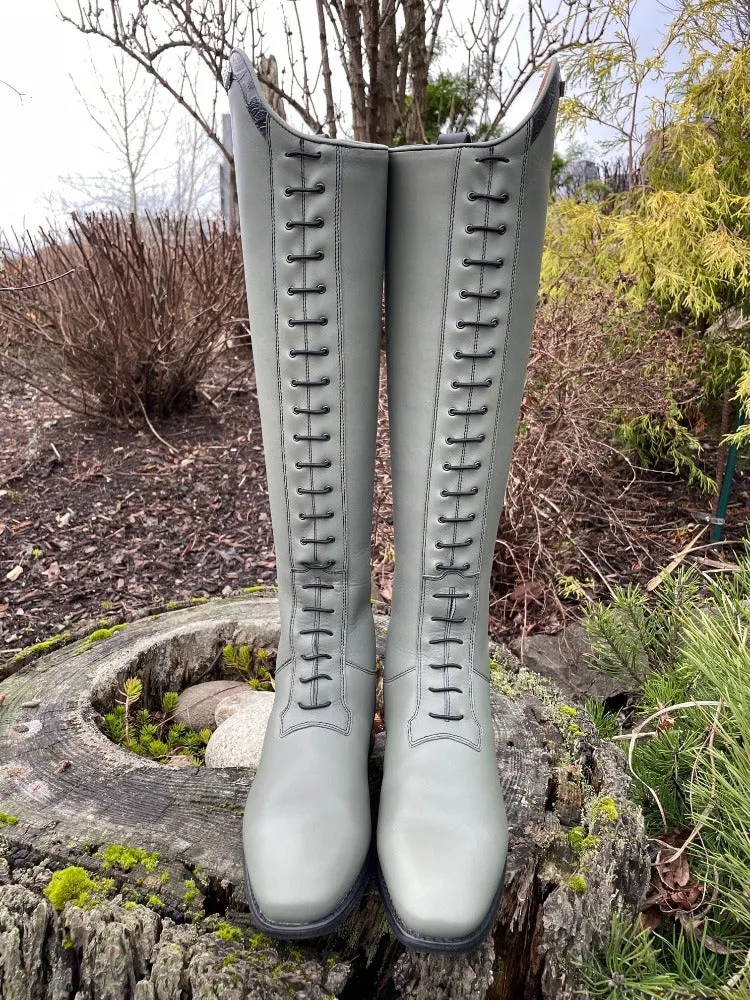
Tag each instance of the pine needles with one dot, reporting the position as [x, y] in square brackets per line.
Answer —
[687, 649]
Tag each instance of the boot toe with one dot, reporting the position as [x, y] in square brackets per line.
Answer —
[439, 885]
[303, 864]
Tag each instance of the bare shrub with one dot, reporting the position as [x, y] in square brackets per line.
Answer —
[122, 316]
[576, 508]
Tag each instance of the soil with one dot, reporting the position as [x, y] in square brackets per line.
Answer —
[107, 522]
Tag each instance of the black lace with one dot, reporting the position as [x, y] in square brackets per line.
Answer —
[311, 383]
[472, 434]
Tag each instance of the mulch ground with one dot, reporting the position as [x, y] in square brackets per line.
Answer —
[108, 522]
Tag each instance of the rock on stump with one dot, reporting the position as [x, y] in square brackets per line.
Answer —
[162, 915]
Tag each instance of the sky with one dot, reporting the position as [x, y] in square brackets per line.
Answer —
[47, 132]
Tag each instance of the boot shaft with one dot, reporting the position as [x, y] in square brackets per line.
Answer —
[312, 219]
[465, 231]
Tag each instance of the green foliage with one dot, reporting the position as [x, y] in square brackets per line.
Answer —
[250, 665]
[605, 722]
[664, 442]
[688, 645]
[642, 965]
[75, 885]
[7, 819]
[153, 736]
[451, 104]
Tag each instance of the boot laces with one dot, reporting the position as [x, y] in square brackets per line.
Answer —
[310, 408]
[470, 412]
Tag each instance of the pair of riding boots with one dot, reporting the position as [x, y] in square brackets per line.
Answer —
[457, 227]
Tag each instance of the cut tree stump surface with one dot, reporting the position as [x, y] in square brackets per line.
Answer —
[73, 792]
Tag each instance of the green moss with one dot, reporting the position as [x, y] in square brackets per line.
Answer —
[98, 635]
[580, 841]
[258, 589]
[41, 647]
[577, 883]
[232, 808]
[500, 679]
[199, 600]
[604, 809]
[164, 878]
[67, 942]
[154, 901]
[260, 942]
[7, 819]
[104, 633]
[129, 905]
[227, 931]
[124, 857]
[567, 710]
[190, 891]
[74, 885]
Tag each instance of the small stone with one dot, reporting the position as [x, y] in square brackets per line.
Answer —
[197, 704]
[238, 701]
[239, 739]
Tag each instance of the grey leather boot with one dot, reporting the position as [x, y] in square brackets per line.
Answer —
[465, 229]
[312, 218]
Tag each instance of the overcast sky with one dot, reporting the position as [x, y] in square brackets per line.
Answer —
[47, 133]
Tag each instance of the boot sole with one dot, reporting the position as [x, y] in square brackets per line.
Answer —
[314, 928]
[441, 946]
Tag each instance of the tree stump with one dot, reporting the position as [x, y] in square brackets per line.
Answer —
[175, 926]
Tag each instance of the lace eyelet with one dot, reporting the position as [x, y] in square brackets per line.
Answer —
[317, 223]
[290, 290]
[452, 411]
[503, 228]
[495, 321]
[293, 353]
[458, 355]
[495, 293]
[463, 294]
[295, 437]
[504, 196]
[289, 259]
[465, 262]
[287, 192]
[324, 322]
[291, 323]
[472, 196]
[470, 229]
[320, 187]
[326, 436]
[296, 410]
[324, 351]
[460, 324]
[321, 288]
[326, 408]
[288, 225]
[500, 262]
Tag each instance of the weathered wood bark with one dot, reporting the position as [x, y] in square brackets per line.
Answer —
[73, 792]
